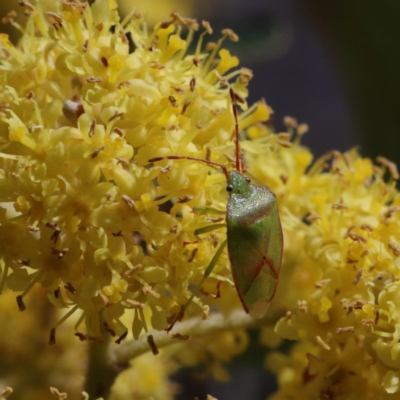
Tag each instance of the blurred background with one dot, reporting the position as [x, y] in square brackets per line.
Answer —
[332, 64]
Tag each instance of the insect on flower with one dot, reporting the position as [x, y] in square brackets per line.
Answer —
[254, 234]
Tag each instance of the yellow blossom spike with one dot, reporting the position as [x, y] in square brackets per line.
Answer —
[5, 41]
[200, 40]
[81, 114]
[163, 36]
[18, 131]
[210, 59]
[175, 43]
[260, 114]
[227, 62]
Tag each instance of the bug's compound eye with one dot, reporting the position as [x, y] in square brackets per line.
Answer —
[248, 180]
[229, 188]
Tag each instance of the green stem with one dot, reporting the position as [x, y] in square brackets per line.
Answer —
[193, 327]
[100, 373]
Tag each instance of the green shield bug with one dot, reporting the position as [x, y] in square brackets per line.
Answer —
[254, 235]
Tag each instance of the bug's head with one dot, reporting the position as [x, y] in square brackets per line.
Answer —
[237, 183]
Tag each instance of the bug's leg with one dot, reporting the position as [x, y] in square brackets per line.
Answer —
[208, 211]
[209, 228]
[196, 291]
[212, 227]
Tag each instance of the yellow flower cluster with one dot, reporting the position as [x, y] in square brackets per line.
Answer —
[339, 287]
[86, 100]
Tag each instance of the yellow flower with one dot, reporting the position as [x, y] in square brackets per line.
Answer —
[341, 265]
[81, 114]
[106, 233]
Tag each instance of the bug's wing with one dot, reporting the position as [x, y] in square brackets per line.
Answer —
[255, 245]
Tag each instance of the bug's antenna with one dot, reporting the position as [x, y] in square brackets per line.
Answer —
[237, 144]
[214, 164]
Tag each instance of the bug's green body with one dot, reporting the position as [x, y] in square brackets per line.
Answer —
[255, 242]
